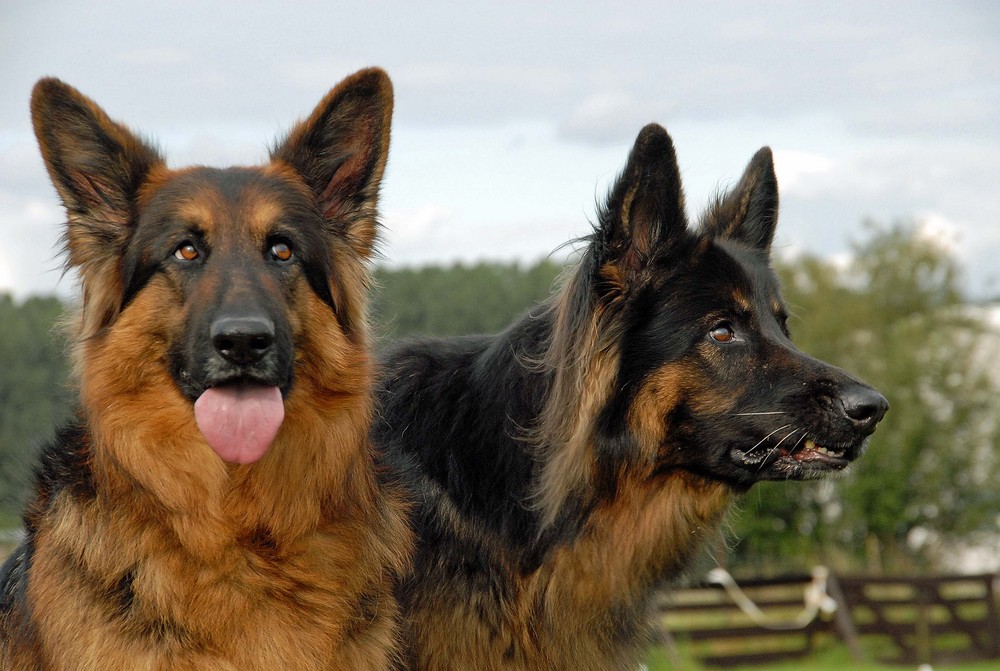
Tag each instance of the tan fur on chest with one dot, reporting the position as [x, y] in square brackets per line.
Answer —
[566, 614]
[148, 603]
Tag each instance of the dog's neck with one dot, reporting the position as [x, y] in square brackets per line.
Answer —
[597, 591]
[606, 555]
[636, 542]
[615, 551]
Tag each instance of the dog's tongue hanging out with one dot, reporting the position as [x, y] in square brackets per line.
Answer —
[240, 421]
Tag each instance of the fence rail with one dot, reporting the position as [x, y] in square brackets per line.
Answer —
[940, 619]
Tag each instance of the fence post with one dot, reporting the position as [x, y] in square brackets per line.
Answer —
[923, 644]
[843, 619]
[992, 616]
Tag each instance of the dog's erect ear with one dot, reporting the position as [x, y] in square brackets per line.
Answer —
[748, 213]
[341, 150]
[97, 166]
[645, 208]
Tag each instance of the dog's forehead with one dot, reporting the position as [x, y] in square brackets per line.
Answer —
[761, 288]
[241, 200]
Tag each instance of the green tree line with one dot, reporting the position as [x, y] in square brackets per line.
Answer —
[458, 300]
[894, 317]
[34, 392]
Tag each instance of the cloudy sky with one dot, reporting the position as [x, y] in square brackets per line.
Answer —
[512, 117]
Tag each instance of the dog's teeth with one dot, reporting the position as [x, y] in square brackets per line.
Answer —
[811, 445]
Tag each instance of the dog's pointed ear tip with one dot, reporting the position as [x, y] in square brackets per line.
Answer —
[373, 78]
[653, 133]
[49, 83]
[373, 72]
[653, 147]
[50, 88]
[764, 156]
[653, 129]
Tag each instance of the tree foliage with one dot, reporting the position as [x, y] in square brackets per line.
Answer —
[459, 300]
[34, 396]
[895, 318]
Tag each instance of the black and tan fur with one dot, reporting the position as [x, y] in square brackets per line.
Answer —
[143, 549]
[569, 467]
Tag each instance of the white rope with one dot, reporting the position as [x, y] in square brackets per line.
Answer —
[815, 598]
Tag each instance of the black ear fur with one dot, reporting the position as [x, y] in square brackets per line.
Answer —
[341, 151]
[96, 164]
[645, 207]
[98, 167]
[748, 213]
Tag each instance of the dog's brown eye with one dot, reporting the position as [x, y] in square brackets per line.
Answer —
[186, 252]
[722, 333]
[281, 251]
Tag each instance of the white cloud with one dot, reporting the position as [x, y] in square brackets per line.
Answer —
[611, 115]
[922, 62]
[942, 231]
[408, 227]
[797, 169]
[321, 72]
[841, 261]
[444, 74]
[887, 110]
[965, 114]
[155, 55]
[30, 263]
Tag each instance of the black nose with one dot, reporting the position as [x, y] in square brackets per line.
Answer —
[242, 340]
[864, 406]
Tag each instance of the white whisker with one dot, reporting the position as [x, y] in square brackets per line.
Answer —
[790, 433]
[743, 414]
[761, 441]
[778, 446]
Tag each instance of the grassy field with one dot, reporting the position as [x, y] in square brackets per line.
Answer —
[829, 658]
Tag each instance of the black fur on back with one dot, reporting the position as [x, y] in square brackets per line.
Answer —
[475, 455]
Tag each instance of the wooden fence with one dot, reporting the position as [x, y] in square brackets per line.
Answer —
[933, 620]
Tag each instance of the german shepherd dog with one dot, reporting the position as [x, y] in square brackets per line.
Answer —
[568, 468]
[215, 504]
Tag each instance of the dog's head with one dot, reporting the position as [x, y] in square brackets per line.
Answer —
[708, 379]
[235, 282]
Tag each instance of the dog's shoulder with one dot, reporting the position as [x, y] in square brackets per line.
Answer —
[63, 465]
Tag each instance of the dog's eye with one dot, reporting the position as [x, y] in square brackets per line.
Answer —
[722, 333]
[281, 251]
[186, 252]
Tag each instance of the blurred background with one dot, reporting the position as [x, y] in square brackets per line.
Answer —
[510, 121]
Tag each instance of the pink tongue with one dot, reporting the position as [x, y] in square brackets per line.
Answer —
[240, 421]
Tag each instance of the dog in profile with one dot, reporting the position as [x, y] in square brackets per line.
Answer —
[214, 504]
[569, 467]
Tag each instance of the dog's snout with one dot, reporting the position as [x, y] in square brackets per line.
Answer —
[242, 340]
[863, 406]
